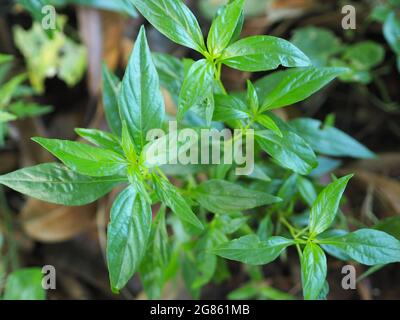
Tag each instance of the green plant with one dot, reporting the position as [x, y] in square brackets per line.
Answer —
[388, 15]
[24, 284]
[325, 49]
[47, 57]
[12, 97]
[210, 217]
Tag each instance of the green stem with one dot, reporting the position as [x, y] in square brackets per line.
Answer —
[370, 271]
[217, 70]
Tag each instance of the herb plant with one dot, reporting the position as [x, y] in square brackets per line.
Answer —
[13, 94]
[210, 219]
[388, 15]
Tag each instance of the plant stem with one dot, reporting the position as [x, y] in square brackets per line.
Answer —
[370, 271]
[217, 68]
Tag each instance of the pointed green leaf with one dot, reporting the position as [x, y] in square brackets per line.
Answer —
[324, 209]
[289, 151]
[229, 108]
[100, 138]
[269, 123]
[127, 144]
[55, 183]
[313, 271]
[174, 200]
[173, 19]
[196, 86]
[251, 250]
[127, 236]
[367, 246]
[299, 84]
[224, 26]
[222, 197]
[153, 267]
[83, 158]
[329, 140]
[111, 90]
[263, 53]
[141, 102]
[252, 98]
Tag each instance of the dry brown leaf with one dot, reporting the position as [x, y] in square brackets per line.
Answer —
[387, 164]
[54, 223]
[113, 27]
[387, 190]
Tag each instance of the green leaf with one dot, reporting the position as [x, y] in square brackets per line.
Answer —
[42, 56]
[3, 132]
[83, 158]
[313, 271]
[269, 123]
[223, 27]
[174, 200]
[111, 90]
[171, 72]
[263, 53]
[100, 138]
[245, 292]
[196, 86]
[153, 267]
[298, 84]
[364, 55]
[252, 98]
[167, 150]
[229, 108]
[307, 190]
[6, 116]
[222, 197]
[380, 13]
[206, 262]
[390, 225]
[8, 89]
[24, 109]
[289, 151]
[324, 209]
[270, 293]
[173, 19]
[334, 251]
[127, 236]
[141, 102]
[52, 182]
[25, 284]
[391, 31]
[5, 58]
[127, 144]
[368, 246]
[251, 250]
[266, 228]
[319, 44]
[259, 173]
[329, 140]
